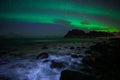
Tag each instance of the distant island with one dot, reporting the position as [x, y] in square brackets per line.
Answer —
[76, 33]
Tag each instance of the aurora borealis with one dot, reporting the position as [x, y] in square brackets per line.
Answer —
[99, 15]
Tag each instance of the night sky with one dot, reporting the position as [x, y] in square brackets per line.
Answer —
[56, 17]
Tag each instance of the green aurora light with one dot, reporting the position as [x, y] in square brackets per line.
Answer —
[46, 12]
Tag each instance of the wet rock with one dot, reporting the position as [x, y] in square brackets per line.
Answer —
[88, 52]
[100, 47]
[78, 48]
[2, 77]
[87, 69]
[72, 47]
[59, 48]
[3, 53]
[81, 56]
[57, 64]
[75, 55]
[42, 55]
[83, 47]
[75, 75]
[44, 47]
[4, 61]
[107, 61]
[17, 54]
[89, 60]
[65, 47]
[46, 60]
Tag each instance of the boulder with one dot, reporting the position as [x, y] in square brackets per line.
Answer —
[89, 60]
[42, 55]
[78, 48]
[72, 47]
[3, 77]
[44, 47]
[75, 56]
[75, 75]
[57, 64]
[88, 52]
[107, 64]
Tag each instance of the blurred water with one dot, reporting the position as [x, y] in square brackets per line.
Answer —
[32, 69]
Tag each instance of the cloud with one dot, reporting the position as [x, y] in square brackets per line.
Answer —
[85, 22]
[62, 22]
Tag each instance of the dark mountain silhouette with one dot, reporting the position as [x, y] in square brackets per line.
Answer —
[98, 34]
[76, 33]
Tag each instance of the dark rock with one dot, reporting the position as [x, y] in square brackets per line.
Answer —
[88, 70]
[107, 65]
[115, 39]
[17, 54]
[4, 53]
[59, 48]
[74, 75]
[66, 47]
[4, 61]
[44, 47]
[88, 52]
[2, 77]
[75, 56]
[43, 55]
[46, 60]
[89, 60]
[57, 64]
[80, 55]
[72, 47]
[78, 48]
[99, 47]
[83, 47]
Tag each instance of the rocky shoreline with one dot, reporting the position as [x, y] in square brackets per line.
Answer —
[103, 60]
[68, 61]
